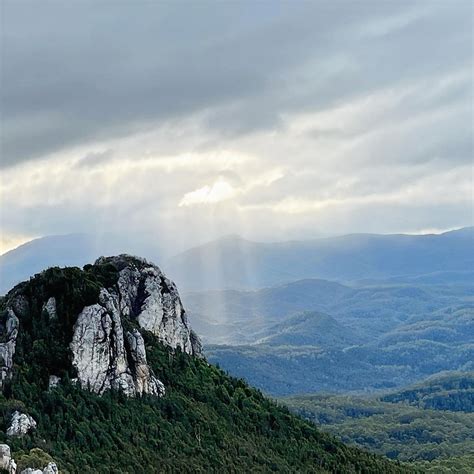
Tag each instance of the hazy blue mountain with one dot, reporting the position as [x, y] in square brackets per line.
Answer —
[376, 338]
[58, 250]
[309, 329]
[238, 317]
[233, 262]
[61, 250]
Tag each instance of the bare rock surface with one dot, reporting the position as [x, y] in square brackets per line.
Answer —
[106, 356]
[107, 346]
[8, 345]
[7, 463]
[20, 424]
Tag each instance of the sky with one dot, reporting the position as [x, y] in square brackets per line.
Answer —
[179, 122]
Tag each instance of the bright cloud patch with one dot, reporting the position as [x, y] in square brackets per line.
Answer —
[221, 190]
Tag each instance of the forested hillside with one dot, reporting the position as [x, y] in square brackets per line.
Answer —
[314, 335]
[400, 425]
[205, 422]
[451, 391]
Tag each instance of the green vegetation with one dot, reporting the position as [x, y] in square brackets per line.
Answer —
[452, 391]
[454, 465]
[435, 440]
[206, 422]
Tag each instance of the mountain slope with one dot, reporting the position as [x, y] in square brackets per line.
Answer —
[453, 391]
[118, 330]
[233, 262]
[37, 255]
[309, 329]
[237, 316]
[64, 250]
[397, 430]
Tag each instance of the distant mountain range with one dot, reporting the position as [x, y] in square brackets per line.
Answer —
[370, 311]
[63, 250]
[233, 262]
[314, 335]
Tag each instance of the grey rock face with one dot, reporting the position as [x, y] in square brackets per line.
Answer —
[107, 358]
[30, 470]
[51, 468]
[54, 381]
[153, 300]
[20, 424]
[6, 461]
[145, 381]
[7, 347]
[50, 307]
[98, 348]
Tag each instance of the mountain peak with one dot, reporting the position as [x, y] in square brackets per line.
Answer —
[100, 314]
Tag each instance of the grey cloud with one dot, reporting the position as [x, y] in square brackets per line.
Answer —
[227, 84]
[95, 158]
[88, 71]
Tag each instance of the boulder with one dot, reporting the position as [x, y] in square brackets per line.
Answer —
[20, 424]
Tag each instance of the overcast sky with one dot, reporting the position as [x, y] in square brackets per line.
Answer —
[183, 121]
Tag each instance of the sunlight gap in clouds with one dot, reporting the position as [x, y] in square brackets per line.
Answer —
[9, 242]
[316, 163]
[219, 191]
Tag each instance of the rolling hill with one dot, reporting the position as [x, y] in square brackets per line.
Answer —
[375, 338]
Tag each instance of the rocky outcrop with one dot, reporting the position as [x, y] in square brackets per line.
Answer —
[98, 348]
[51, 468]
[104, 357]
[107, 357]
[54, 381]
[20, 424]
[7, 347]
[7, 463]
[104, 354]
[145, 381]
[153, 300]
[50, 307]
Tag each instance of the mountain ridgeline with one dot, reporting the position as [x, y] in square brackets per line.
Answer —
[233, 262]
[314, 335]
[101, 372]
